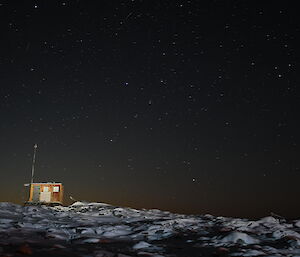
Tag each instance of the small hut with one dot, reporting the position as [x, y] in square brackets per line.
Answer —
[46, 193]
[50, 193]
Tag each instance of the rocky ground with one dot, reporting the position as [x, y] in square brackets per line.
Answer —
[101, 230]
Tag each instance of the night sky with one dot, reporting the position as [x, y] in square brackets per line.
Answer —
[187, 106]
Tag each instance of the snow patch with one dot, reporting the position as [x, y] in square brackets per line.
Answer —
[141, 245]
[239, 237]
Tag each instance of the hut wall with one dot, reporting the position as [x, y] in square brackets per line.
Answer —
[46, 192]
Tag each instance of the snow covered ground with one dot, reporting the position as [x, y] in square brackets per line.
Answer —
[102, 230]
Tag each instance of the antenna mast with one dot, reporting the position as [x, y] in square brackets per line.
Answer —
[33, 162]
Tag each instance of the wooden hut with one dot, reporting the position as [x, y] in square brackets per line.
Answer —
[46, 193]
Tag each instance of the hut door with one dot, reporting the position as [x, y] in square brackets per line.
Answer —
[36, 193]
[45, 197]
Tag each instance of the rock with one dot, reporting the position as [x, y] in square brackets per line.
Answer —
[25, 249]
[122, 255]
[225, 229]
[93, 230]
[278, 234]
[222, 250]
[58, 246]
[294, 241]
[104, 254]
[105, 241]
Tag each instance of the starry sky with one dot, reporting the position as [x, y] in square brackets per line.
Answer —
[187, 106]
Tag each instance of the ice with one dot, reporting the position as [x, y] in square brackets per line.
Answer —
[87, 231]
[91, 240]
[236, 254]
[283, 233]
[254, 253]
[268, 219]
[146, 247]
[5, 221]
[141, 245]
[116, 231]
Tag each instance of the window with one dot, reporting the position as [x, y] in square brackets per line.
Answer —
[46, 189]
[56, 189]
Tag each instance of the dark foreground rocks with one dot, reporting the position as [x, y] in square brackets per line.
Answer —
[102, 230]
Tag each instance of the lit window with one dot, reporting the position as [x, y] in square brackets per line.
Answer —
[46, 189]
[56, 189]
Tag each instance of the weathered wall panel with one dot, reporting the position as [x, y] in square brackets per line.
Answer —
[46, 193]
